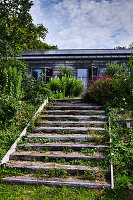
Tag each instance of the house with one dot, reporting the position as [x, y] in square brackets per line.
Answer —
[85, 63]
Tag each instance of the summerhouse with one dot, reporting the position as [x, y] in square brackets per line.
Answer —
[85, 63]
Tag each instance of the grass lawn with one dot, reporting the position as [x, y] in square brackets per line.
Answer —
[26, 192]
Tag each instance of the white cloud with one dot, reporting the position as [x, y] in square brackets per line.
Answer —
[86, 23]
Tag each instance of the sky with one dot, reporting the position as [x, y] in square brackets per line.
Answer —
[85, 24]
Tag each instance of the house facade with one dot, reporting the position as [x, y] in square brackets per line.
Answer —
[85, 63]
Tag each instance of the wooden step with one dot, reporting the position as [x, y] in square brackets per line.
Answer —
[61, 146]
[66, 137]
[68, 130]
[33, 167]
[73, 112]
[74, 107]
[70, 182]
[55, 155]
[72, 123]
[75, 118]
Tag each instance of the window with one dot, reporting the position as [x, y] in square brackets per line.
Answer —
[82, 74]
[87, 75]
[47, 71]
[36, 73]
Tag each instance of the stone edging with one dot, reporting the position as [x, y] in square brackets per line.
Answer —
[23, 133]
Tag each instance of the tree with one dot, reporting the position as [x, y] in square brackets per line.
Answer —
[17, 28]
[119, 47]
[130, 46]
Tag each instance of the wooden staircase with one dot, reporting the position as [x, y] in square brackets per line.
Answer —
[67, 147]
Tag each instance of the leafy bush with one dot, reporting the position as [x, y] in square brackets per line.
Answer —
[8, 107]
[35, 90]
[11, 79]
[67, 87]
[110, 90]
[115, 88]
[65, 72]
[123, 182]
[115, 68]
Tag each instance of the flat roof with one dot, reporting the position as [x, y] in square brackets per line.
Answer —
[76, 52]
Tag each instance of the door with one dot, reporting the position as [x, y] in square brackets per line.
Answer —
[82, 74]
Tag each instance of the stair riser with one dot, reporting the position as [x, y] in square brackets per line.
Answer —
[54, 158]
[65, 131]
[58, 148]
[69, 101]
[74, 118]
[72, 172]
[75, 124]
[55, 183]
[72, 139]
[73, 112]
[74, 108]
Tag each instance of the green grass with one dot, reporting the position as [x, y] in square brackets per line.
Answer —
[11, 130]
[28, 192]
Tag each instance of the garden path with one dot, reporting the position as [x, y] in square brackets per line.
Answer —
[66, 147]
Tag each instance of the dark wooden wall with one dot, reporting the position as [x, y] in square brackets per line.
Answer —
[73, 64]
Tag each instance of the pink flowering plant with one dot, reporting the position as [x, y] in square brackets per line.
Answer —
[107, 89]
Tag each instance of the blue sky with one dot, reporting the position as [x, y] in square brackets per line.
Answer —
[85, 24]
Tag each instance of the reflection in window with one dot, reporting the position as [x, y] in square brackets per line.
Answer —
[36, 73]
[82, 74]
[47, 71]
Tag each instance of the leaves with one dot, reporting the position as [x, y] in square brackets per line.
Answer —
[17, 29]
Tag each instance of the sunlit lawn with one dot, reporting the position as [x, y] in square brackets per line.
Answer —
[25, 192]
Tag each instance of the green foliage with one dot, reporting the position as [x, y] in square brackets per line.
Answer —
[58, 193]
[65, 72]
[8, 107]
[8, 171]
[61, 173]
[11, 80]
[130, 74]
[115, 68]
[36, 90]
[123, 182]
[109, 91]
[115, 88]
[12, 123]
[17, 29]
[120, 151]
[67, 87]
[130, 46]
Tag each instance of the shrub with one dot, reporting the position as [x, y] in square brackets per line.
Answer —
[110, 90]
[35, 90]
[123, 182]
[68, 87]
[11, 79]
[8, 107]
[115, 68]
[65, 72]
